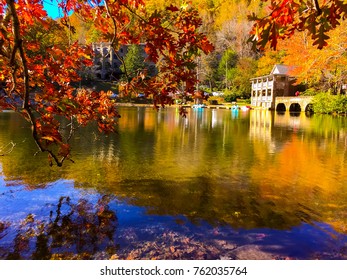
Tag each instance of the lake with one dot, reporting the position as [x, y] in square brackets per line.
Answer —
[218, 184]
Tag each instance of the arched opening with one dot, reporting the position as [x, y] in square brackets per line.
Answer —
[280, 107]
[309, 108]
[295, 107]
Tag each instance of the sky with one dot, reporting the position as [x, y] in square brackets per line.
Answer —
[52, 8]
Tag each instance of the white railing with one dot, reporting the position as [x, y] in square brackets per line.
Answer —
[263, 85]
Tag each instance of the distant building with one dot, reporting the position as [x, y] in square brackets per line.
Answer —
[277, 83]
[107, 62]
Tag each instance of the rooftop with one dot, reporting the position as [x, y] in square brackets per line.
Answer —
[281, 69]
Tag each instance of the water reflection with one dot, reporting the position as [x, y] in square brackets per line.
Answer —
[258, 173]
[82, 228]
[261, 122]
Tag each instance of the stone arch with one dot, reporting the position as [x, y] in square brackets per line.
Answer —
[309, 108]
[281, 107]
[295, 107]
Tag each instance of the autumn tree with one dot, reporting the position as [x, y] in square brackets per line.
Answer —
[242, 73]
[323, 70]
[208, 70]
[80, 29]
[268, 59]
[234, 35]
[49, 35]
[40, 85]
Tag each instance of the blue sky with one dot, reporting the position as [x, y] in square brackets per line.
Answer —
[52, 9]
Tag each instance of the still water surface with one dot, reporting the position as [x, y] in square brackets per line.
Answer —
[217, 184]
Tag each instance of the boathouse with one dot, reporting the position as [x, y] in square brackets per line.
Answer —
[278, 83]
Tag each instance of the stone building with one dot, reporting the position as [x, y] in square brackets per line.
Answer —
[277, 83]
[106, 61]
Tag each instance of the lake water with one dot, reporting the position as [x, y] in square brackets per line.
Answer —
[218, 184]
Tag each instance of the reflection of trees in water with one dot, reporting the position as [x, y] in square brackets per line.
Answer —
[74, 230]
[3, 227]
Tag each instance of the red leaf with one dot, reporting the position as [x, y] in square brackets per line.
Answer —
[172, 8]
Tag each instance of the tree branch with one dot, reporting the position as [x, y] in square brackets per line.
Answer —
[18, 46]
[32, 119]
[317, 7]
[113, 42]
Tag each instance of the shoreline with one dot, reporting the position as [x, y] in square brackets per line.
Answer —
[219, 106]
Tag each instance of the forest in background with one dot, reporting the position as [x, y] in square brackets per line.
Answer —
[234, 62]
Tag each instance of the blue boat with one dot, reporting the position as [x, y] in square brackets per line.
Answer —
[235, 107]
[199, 106]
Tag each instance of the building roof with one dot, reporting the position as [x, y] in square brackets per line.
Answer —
[278, 69]
[281, 69]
